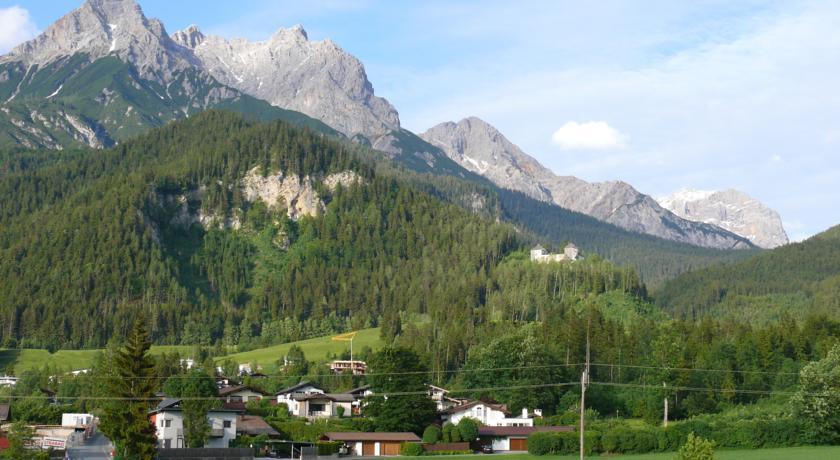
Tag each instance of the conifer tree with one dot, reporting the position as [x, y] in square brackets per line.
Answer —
[132, 385]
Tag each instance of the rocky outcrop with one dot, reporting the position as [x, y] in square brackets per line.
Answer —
[732, 210]
[481, 148]
[288, 70]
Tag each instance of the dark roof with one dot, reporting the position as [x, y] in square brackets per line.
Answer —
[292, 388]
[337, 397]
[493, 405]
[254, 426]
[229, 390]
[4, 412]
[174, 405]
[237, 406]
[358, 390]
[538, 248]
[368, 436]
[519, 430]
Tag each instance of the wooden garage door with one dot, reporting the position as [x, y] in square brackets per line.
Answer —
[518, 444]
[368, 449]
[390, 448]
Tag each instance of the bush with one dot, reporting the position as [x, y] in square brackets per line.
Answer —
[431, 435]
[468, 429]
[623, 440]
[696, 448]
[327, 448]
[411, 449]
[553, 443]
[446, 433]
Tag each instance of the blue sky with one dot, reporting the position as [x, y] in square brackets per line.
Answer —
[661, 94]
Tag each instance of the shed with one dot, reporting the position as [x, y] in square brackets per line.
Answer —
[372, 444]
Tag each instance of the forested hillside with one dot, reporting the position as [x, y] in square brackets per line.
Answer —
[796, 279]
[101, 234]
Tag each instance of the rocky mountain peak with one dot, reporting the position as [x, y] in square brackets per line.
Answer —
[481, 148]
[732, 210]
[288, 70]
[100, 28]
[189, 37]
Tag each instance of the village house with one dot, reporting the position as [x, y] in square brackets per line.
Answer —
[488, 414]
[540, 254]
[168, 420]
[343, 366]
[371, 444]
[252, 425]
[241, 393]
[440, 396]
[287, 395]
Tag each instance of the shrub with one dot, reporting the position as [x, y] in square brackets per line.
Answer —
[411, 449]
[552, 443]
[431, 435]
[446, 433]
[327, 448]
[696, 448]
[468, 429]
[339, 411]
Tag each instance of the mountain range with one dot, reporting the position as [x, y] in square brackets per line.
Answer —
[105, 73]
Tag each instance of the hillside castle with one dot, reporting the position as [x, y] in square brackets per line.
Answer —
[540, 254]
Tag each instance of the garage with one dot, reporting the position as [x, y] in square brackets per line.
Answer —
[371, 444]
[518, 444]
[390, 448]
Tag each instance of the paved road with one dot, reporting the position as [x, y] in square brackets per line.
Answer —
[98, 447]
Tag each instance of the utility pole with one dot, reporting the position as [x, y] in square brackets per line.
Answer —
[665, 421]
[584, 381]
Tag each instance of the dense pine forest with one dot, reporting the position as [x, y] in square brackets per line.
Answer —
[796, 280]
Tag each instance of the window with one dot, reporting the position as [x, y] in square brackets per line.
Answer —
[167, 423]
[313, 407]
[235, 399]
[226, 424]
[167, 443]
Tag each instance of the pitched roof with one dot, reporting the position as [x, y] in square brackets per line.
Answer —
[538, 248]
[337, 397]
[300, 385]
[360, 389]
[174, 405]
[253, 425]
[492, 405]
[369, 436]
[519, 430]
[230, 390]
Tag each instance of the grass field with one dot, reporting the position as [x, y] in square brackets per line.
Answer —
[315, 349]
[787, 453]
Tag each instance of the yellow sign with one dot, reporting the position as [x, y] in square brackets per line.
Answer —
[348, 337]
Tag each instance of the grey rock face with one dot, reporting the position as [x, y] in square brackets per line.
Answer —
[108, 27]
[481, 148]
[288, 70]
[732, 210]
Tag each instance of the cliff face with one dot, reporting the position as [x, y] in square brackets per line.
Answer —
[732, 210]
[481, 148]
[288, 70]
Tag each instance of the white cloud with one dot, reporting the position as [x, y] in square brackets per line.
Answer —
[16, 27]
[587, 135]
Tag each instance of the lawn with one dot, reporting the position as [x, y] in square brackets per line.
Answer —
[786, 453]
[314, 349]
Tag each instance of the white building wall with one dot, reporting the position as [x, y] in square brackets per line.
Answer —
[217, 420]
[501, 444]
[489, 417]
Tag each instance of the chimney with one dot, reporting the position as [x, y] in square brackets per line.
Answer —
[524, 412]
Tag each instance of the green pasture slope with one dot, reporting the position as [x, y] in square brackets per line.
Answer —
[315, 349]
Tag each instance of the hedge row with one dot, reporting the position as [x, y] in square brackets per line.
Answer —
[620, 438]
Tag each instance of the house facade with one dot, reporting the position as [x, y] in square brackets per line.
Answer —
[440, 396]
[241, 393]
[487, 413]
[324, 405]
[169, 425]
[288, 395]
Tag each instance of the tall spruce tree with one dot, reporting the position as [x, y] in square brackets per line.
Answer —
[132, 385]
[397, 378]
